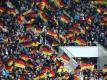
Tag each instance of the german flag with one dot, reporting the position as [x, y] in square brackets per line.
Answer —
[83, 30]
[66, 76]
[43, 4]
[2, 9]
[104, 68]
[24, 57]
[62, 38]
[76, 25]
[10, 62]
[8, 68]
[43, 74]
[30, 64]
[52, 74]
[80, 41]
[75, 30]
[43, 16]
[23, 39]
[104, 20]
[105, 11]
[29, 27]
[12, 11]
[29, 13]
[27, 44]
[59, 3]
[38, 30]
[47, 68]
[47, 51]
[87, 66]
[31, 21]
[99, 9]
[65, 19]
[68, 35]
[58, 63]
[54, 57]
[20, 19]
[52, 33]
[65, 57]
[89, 19]
[21, 78]
[36, 43]
[20, 63]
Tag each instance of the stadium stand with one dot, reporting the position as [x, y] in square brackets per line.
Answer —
[32, 30]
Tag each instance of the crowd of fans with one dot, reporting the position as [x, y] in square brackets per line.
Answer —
[29, 29]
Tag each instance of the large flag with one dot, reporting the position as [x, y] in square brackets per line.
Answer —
[20, 63]
[80, 41]
[65, 57]
[65, 19]
[2, 9]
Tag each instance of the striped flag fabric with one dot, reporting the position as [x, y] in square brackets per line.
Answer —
[54, 57]
[10, 62]
[99, 9]
[12, 11]
[43, 74]
[66, 76]
[38, 29]
[65, 19]
[104, 20]
[20, 63]
[105, 11]
[43, 4]
[75, 30]
[65, 57]
[2, 9]
[52, 33]
[24, 57]
[52, 74]
[59, 3]
[8, 68]
[104, 69]
[89, 19]
[47, 51]
[80, 41]
[43, 16]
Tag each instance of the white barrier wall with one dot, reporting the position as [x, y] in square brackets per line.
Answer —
[81, 51]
